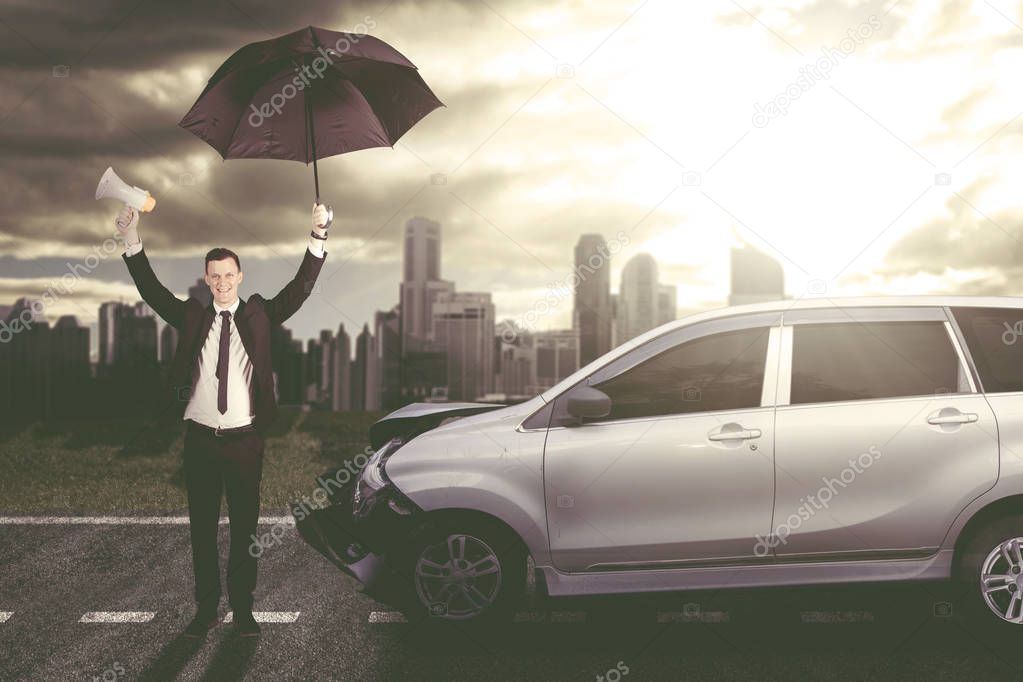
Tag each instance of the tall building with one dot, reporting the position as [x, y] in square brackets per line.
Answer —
[109, 314]
[364, 394]
[388, 348]
[319, 370]
[127, 336]
[46, 370]
[667, 303]
[756, 277]
[168, 343]
[136, 343]
[341, 378]
[201, 291]
[592, 312]
[289, 366]
[557, 356]
[463, 325]
[642, 302]
[69, 364]
[421, 282]
[27, 372]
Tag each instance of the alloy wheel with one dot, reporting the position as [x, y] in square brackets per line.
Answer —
[1001, 580]
[458, 578]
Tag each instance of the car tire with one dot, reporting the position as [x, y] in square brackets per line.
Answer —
[464, 570]
[995, 550]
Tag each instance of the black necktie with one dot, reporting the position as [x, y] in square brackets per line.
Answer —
[223, 360]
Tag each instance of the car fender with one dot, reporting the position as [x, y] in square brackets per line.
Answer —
[481, 463]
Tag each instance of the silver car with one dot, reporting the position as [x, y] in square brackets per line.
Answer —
[789, 443]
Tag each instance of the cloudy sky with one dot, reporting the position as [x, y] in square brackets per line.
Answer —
[871, 147]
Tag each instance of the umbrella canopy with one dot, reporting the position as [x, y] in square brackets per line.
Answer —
[308, 95]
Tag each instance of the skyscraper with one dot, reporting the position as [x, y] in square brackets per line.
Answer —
[592, 312]
[201, 291]
[289, 366]
[387, 327]
[756, 277]
[341, 381]
[421, 283]
[643, 302]
[638, 297]
[463, 326]
[667, 303]
[69, 365]
[362, 374]
[557, 356]
[109, 313]
[168, 343]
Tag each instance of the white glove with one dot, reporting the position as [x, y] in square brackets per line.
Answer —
[127, 220]
[320, 217]
[127, 223]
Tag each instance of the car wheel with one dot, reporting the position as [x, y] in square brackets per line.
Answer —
[991, 574]
[466, 571]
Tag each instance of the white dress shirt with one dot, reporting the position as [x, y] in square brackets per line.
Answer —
[202, 406]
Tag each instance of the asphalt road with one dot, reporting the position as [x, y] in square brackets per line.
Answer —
[54, 576]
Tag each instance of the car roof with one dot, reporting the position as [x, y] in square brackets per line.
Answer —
[812, 302]
[783, 305]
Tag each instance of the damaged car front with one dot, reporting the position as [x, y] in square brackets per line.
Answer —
[359, 519]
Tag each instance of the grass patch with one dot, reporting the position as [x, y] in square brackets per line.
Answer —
[131, 466]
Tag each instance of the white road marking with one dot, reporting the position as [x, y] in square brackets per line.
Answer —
[5, 616]
[117, 617]
[387, 617]
[268, 616]
[568, 616]
[836, 616]
[530, 617]
[123, 520]
[693, 617]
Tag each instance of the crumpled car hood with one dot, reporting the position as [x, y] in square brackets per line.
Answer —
[416, 418]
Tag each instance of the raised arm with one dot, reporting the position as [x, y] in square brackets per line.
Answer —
[289, 299]
[160, 299]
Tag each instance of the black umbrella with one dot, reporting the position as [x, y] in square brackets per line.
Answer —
[308, 95]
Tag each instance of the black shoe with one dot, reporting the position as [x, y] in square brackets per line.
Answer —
[201, 624]
[245, 625]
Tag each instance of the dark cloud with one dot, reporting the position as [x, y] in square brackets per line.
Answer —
[126, 35]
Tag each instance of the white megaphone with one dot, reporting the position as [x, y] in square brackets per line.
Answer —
[112, 187]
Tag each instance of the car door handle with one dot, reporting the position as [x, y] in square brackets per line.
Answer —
[962, 418]
[743, 434]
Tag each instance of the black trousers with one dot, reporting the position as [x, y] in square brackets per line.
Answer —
[214, 465]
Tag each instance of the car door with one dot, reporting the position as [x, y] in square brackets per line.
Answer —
[681, 470]
[881, 436]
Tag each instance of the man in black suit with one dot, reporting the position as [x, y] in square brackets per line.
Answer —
[222, 376]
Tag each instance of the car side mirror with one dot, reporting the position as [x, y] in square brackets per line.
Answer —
[586, 402]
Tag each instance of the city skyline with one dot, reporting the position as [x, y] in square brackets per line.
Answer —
[437, 343]
[559, 317]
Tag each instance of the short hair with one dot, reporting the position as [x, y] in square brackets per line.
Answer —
[220, 253]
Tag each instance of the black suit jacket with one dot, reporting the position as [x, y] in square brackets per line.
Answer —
[254, 319]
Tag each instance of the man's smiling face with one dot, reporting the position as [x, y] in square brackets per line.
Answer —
[223, 278]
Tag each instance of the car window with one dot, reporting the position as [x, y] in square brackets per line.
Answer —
[870, 360]
[718, 372]
[994, 337]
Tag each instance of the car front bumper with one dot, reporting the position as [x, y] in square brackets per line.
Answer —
[362, 548]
